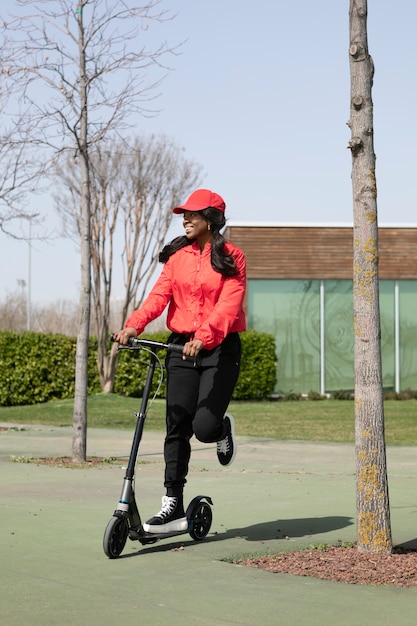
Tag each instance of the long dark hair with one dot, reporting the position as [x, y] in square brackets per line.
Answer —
[221, 261]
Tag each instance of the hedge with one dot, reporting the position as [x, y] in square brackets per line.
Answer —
[37, 367]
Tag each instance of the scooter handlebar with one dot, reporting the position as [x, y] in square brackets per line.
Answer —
[134, 342]
[151, 343]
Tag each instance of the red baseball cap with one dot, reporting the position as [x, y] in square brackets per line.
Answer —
[202, 199]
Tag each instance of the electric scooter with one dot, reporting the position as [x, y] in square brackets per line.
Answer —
[126, 521]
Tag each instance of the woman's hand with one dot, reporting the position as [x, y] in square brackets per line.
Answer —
[192, 348]
[124, 335]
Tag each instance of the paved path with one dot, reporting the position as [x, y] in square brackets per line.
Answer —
[276, 496]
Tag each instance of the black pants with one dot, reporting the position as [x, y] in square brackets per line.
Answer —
[198, 394]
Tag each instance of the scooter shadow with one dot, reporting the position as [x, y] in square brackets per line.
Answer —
[264, 531]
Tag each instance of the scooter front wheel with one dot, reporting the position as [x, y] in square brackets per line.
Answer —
[115, 536]
[199, 522]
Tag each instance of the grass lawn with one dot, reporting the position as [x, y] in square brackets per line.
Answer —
[308, 420]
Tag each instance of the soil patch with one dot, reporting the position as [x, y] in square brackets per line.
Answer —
[344, 564]
[67, 461]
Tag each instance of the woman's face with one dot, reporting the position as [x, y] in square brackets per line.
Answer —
[195, 226]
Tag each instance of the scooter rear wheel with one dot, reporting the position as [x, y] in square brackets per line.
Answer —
[199, 521]
[115, 537]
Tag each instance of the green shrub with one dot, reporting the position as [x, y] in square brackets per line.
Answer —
[258, 368]
[37, 367]
[342, 394]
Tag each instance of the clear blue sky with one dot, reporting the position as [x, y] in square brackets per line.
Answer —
[260, 97]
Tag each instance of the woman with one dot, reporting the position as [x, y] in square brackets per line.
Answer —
[203, 282]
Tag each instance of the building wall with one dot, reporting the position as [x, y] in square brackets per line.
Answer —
[300, 289]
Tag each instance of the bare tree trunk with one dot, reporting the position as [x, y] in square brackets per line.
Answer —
[79, 441]
[372, 502]
[73, 81]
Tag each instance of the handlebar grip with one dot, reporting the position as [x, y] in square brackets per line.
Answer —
[131, 342]
[175, 347]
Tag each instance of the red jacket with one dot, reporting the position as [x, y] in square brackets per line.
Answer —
[202, 302]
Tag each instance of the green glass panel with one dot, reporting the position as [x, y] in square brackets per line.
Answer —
[408, 334]
[338, 335]
[387, 314]
[290, 310]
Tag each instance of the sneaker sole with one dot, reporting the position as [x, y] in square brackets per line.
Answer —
[176, 526]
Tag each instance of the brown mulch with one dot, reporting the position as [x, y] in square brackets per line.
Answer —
[67, 461]
[344, 564]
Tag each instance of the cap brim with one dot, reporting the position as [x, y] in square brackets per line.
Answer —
[188, 207]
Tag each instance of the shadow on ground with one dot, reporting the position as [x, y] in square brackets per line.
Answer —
[265, 531]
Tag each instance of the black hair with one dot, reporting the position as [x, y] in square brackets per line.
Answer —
[221, 261]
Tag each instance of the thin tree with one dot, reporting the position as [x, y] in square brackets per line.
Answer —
[80, 72]
[134, 186]
[372, 501]
[19, 177]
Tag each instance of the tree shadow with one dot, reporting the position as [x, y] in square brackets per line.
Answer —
[264, 531]
[290, 528]
[408, 545]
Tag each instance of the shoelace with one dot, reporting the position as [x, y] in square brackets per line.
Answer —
[223, 446]
[168, 506]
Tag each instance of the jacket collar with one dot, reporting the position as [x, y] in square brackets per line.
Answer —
[195, 248]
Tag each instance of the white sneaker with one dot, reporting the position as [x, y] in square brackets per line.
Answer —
[171, 518]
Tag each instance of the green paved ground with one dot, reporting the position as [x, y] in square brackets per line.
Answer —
[276, 496]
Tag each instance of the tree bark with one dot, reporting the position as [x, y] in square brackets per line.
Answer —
[79, 440]
[372, 501]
